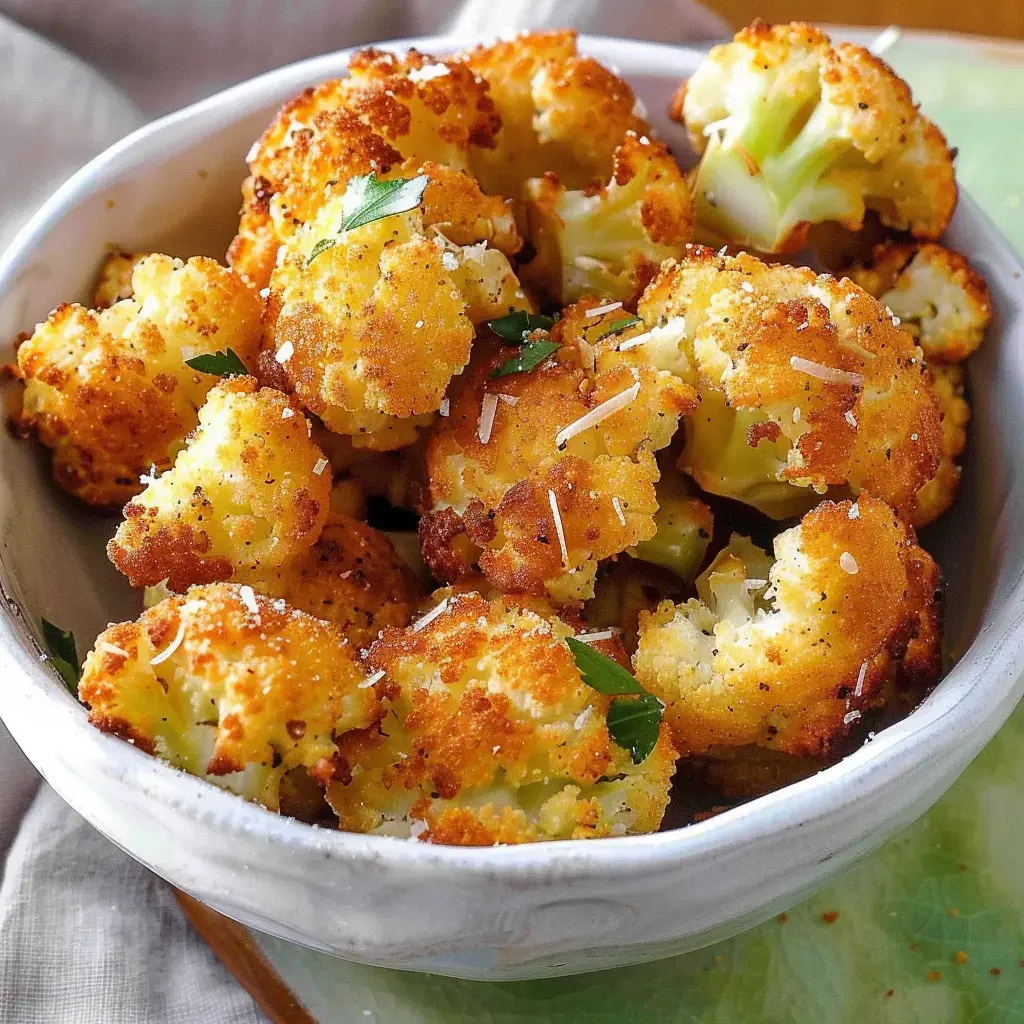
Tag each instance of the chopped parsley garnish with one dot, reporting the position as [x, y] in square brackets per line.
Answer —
[514, 327]
[620, 325]
[220, 364]
[63, 654]
[367, 199]
[634, 717]
[530, 355]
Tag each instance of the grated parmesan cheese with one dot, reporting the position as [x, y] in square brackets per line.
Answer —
[829, 374]
[858, 690]
[850, 717]
[488, 407]
[601, 310]
[508, 399]
[444, 407]
[370, 680]
[850, 418]
[589, 638]
[617, 505]
[171, 647]
[553, 502]
[848, 563]
[113, 649]
[287, 413]
[597, 414]
[583, 717]
[854, 512]
[284, 353]
[430, 616]
[321, 465]
[248, 597]
[429, 72]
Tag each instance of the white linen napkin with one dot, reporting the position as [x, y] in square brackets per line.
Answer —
[87, 935]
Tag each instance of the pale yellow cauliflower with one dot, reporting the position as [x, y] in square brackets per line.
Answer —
[109, 391]
[538, 476]
[490, 736]
[608, 241]
[937, 295]
[807, 385]
[788, 653]
[794, 131]
[368, 333]
[232, 687]
[249, 493]
[948, 383]
[559, 111]
[115, 280]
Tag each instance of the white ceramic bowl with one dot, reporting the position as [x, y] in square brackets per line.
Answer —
[502, 913]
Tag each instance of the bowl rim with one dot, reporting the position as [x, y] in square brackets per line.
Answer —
[973, 699]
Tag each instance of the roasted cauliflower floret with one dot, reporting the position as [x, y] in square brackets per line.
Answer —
[232, 687]
[609, 241]
[110, 391]
[115, 280]
[787, 653]
[248, 494]
[415, 113]
[559, 111]
[937, 295]
[683, 525]
[940, 492]
[806, 384]
[795, 131]
[352, 577]
[537, 476]
[369, 332]
[490, 736]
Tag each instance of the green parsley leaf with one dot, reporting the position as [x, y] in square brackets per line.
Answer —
[532, 353]
[515, 326]
[634, 719]
[600, 672]
[634, 724]
[220, 364]
[63, 654]
[367, 199]
[618, 326]
[322, 246]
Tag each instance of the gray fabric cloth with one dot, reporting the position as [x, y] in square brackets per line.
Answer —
[87, 935]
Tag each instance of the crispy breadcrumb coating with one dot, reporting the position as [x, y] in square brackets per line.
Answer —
[559, 111]
[248, 493]
[795, 131]
[948, 383]
[937, 295]
[115, 280]
[490, 736]
[807, 383]
[109, 391]
[505, 493]
[608, 241]
[230, 686]
[368, 333]
[787, 653]
[352, 577]
[416, 114]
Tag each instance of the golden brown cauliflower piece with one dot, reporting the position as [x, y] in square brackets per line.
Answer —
[352, 577]
[232, 687]
[559, 111]
[414, 114]
[115, 280]
[534, 477]
[490, 736]
[249, 493]
[368, 333]
[940, 492]
[937, 295]
[806, 384]
[795, 131]
[608, 241]
[109, 391]
[787, 653]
